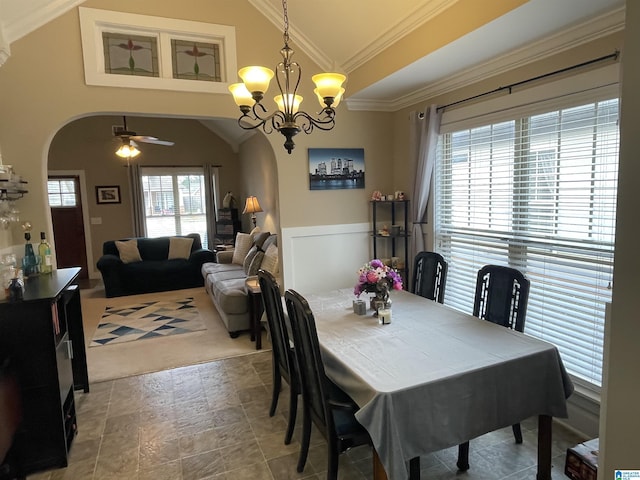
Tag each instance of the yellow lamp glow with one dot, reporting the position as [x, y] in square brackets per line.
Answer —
[256, 79]
[297, 100]
[127, 151]
[241, 95]
[328, 84]
[336, 100]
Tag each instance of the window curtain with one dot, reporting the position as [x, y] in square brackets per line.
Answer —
[137, 201]
[210, 187]
[424, 130]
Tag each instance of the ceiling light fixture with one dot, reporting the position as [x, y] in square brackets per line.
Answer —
[288, 119]
[127, 150]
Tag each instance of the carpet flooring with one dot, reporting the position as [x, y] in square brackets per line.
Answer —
[139, 357]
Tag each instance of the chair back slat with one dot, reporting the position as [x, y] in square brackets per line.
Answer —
[430, 276]
[501, 297]
[307, 348]
[272, 301]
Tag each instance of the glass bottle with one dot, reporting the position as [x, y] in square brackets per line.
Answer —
[44, 250]
[29, 262]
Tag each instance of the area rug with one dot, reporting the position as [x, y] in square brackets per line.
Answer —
[123, 360]
[146, 320]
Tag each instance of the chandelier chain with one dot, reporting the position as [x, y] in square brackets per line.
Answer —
[285, 15]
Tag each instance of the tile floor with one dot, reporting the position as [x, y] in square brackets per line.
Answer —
[210, 421]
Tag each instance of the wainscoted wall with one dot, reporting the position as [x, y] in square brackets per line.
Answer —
[324, 257]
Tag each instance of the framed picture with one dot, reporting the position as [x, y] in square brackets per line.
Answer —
[336, 168]
[108, 194]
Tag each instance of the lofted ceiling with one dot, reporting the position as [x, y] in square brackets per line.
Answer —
[345, 35]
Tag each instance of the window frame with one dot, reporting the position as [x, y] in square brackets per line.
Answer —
[459, 122]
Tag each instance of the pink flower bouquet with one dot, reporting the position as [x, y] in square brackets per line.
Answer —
[374, 272]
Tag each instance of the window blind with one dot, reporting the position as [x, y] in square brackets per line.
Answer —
[537, 193]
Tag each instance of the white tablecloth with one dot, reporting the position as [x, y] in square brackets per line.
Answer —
[434, 377]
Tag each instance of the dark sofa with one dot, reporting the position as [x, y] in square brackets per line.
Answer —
[155, 273]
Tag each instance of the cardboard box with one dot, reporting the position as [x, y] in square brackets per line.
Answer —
[582, 461]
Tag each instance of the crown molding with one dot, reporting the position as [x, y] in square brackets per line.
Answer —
[33, 20]
[274, 15]
[599, 27]
[5, 50]
[416, 18]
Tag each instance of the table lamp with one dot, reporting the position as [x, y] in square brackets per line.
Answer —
[252, 206]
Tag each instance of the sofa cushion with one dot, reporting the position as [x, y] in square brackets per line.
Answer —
[212, 267]
[128, 251]
[180, 247]
[231, 295]
[270, 260]
[242, 247]
[255, 264]
[249, 258]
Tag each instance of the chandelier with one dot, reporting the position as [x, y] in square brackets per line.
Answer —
[287, 119]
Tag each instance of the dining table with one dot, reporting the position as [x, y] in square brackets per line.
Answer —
[435, 377]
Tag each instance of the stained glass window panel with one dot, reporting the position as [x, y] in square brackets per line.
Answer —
[196, 60]
[126, 54]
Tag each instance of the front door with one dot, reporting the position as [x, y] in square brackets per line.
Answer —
[68, 224]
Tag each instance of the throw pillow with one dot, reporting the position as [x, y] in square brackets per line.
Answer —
[249, 258]
[256, 264]
[270, 260]
[128, 251]
[259, 238]
[180, 247]
[242, 247]
[268, 241]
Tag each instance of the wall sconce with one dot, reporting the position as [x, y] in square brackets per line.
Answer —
[252, 206]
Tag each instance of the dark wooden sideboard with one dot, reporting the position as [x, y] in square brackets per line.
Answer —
[43, 338]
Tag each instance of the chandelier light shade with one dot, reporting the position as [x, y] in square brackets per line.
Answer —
[287, 119]
[252, 206]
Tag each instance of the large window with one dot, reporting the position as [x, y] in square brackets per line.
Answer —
[174, 201]
[537, 193]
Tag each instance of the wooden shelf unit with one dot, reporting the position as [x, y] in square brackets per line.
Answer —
[43, 338]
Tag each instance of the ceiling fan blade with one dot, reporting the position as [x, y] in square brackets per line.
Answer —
[148, 139]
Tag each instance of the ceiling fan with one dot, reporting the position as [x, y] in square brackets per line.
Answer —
[129, 149]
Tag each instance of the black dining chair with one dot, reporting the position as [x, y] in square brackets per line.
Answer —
[430, 276]
[284, 362]
[501, 297]
[325, 404]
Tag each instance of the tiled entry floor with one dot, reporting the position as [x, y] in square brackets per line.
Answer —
[210, 421]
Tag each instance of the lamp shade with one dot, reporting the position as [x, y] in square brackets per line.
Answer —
[336, 100]
[252, 205]
[127, 151]
[256, 79]
[328, 84]
[288, 106]
[241, 95]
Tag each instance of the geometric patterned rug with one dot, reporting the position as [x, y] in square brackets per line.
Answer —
[147, 320]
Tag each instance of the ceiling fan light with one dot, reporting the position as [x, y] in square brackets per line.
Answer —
[241, 95]
[256, 79]
[287, 106]
[329, 84]
[127, 151]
